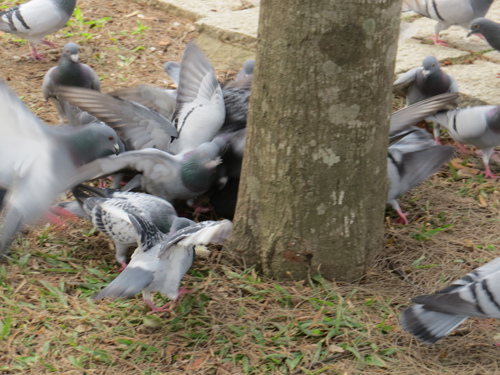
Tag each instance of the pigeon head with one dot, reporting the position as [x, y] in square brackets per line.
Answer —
[92, 142]
[430, 65]
[493, 119]
[199, 167]
[70, 51]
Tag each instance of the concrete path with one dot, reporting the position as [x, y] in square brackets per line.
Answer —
[228, 33]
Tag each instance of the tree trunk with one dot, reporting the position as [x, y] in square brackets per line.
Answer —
[314, 183]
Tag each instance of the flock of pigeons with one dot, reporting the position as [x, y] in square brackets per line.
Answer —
[179, 144]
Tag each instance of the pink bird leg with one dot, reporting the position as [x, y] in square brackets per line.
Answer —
[439, 42]
[402, 217]
[164, 308]
[489, 173]
[124, 264]
[35, 54]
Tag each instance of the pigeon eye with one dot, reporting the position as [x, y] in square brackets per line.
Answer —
[433, 65]
[476, 26]
[111, 138]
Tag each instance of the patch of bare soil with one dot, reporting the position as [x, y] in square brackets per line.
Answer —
[237, 322]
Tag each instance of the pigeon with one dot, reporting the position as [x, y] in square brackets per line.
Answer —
[69, 72]
[153, 209]
[246, 71]
[35, 19]
[224, 194]
[489, 30]
[410, 161]
[164, 175]
[412, 157]
[161, 260]
[37, 161]
[236, 100]
[200, 110]
[435, 315]
[138, 126]
[476, 126]
[448, 12]
[424, 82]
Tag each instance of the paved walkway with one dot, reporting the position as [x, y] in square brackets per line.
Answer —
[228, 33]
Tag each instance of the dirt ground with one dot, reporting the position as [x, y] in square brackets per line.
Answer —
[237, 322]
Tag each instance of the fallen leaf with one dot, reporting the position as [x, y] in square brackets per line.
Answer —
[336, 349]
[482, 201]
[164, 42]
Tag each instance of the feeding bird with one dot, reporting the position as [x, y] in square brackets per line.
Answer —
[161, 260]
[35, 19]
[167, 176]
[153, 209]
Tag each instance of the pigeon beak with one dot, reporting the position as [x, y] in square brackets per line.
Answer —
[469, 33]
[116, 147]
[75, 58]
[425, 73]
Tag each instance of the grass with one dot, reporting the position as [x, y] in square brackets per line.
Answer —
[311, 323]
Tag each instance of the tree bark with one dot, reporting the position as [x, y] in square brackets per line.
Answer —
[314, 183]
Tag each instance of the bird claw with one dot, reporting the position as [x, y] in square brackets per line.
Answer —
[124, 265]
[439, 42]
[489, 174]
[402, 218]
[37, 56]
[157, 309]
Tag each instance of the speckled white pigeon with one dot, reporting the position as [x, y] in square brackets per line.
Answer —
[95, 201]
[162, 260]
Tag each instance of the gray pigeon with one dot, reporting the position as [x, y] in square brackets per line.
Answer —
[489, 30]
[448, 12]
[161, 260]
[475, 295]
[35, 19]
[200, 109]
[38, 161]
[167, 176]
[138, 126]
[95, 201]
[69, 72]
[424, 82]
[412, 158]
[476, 126]
[246, 71]
[410, 161]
